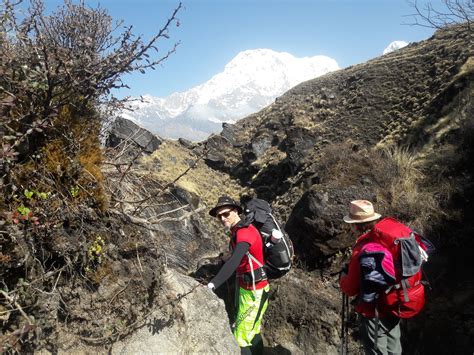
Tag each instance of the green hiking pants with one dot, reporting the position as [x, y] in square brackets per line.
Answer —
[252, 306]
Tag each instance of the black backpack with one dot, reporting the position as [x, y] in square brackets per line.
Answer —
[278, 255]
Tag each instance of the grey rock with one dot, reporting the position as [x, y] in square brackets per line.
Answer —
[125, 130]
[216, 148]
[187, 143]
[202, 328]
[229, 132]
[183, 236]
[261, 144]
[314, 224]
[193, 321]
[298, 143]
[303, 315]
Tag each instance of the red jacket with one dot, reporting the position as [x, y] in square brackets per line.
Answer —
[251, 236]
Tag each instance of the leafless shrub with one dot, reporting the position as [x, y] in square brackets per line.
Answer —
[454, 12]
[73, 56]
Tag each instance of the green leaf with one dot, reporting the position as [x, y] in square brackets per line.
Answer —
[28, 194]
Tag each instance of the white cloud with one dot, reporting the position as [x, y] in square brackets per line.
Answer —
[394, 46]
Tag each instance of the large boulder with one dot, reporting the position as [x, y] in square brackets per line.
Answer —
[190, 319]
[198, 323]
[303, 316]
[315, 224]
[125, 130]
[298, 143]
[172, 225]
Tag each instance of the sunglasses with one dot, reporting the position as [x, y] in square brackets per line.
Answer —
[223, 214]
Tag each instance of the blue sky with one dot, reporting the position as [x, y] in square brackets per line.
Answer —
[212, 32]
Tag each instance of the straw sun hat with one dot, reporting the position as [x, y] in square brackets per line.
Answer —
[361, 211]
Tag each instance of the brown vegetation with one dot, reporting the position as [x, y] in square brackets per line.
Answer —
[56, 240]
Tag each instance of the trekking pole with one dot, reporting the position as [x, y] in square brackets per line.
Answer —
[343, 323]
[346, 336]
[344, 329]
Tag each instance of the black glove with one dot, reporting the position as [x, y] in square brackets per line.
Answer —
[345, 269]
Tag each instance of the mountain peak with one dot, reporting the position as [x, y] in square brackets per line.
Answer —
[249, 82]
[252, 56]
[395, 45]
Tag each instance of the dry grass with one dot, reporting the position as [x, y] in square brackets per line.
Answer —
[408, 196]
[171, 160]
[398, 179]
[467, 68]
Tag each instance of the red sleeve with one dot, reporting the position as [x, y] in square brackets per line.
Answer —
[350, 283]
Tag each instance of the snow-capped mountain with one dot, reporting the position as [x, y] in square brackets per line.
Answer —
[395, 45]
[249, 82]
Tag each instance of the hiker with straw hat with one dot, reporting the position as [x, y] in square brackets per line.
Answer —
[380, 332]
[253, 289]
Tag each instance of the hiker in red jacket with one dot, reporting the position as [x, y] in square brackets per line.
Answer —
[247, 248]
[380, 330]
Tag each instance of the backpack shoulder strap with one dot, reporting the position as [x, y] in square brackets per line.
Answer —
[252, 269]
[275, 221]
[251, 257]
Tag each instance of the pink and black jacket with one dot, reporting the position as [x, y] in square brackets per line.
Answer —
[385, 271]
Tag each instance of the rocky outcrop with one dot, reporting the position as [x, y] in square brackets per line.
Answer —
[303, 315]
[198, 324]
[123, 130]
[171, 225]
[315, 224]
[191, 319]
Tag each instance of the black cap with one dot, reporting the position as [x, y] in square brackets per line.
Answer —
[225, 201]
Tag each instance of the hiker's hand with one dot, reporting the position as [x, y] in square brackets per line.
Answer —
[344, 271]
[211, 286]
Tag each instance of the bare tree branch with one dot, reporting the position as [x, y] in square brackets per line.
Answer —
[455, 12]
